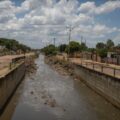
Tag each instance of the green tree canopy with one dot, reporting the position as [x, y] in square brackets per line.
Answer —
[91, 50]
[100, 45]
[102, 52]
[83, 47]
[73, 47]
[49, 50]
[62, 47]
[109, 44]
[13, 45]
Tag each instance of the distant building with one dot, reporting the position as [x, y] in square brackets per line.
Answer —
[2, 52]
[113, 57]
[118, 58]
[91, 56]
[2, 47]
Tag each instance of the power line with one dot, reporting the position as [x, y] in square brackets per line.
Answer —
[69, 39]
[54, 40]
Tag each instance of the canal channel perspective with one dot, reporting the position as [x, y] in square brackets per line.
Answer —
[48, 95]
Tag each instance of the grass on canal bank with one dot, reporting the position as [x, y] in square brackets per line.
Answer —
[63, 67]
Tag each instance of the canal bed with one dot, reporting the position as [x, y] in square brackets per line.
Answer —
[47, 95]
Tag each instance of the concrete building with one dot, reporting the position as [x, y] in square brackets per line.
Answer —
[113, 57]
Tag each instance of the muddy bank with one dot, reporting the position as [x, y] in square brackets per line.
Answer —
[31, 66]
[62, 67]
[90, 78]
[48, 95]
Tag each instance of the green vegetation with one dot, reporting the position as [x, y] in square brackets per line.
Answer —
[109, 44]
[13, 45]
[62, 47]
[100, 45]
[102, 52]
[83, 47]
[73, 47]
[49, 50]
[103, 48]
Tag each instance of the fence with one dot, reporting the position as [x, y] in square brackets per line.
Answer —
[16, 61]
[7, 64]
[113, 71]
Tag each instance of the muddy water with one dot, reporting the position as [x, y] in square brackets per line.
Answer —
[47, 95]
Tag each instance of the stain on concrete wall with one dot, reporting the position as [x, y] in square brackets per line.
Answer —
[106, 85]
[9, 82]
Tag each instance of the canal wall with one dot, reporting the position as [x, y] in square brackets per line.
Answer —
[9, 82]
[105, 85]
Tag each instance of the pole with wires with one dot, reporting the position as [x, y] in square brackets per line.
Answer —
[69, 39]
[70, 29]
[54, 40]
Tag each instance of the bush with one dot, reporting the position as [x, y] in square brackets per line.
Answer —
[73, 47]
[62, 47]
[50, 50]
[102, 53]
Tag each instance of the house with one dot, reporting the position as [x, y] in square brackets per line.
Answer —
[114, 57]
[118, 58]
[2, 47]
[91, 56]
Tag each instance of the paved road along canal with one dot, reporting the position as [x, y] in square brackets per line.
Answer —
[47, 95]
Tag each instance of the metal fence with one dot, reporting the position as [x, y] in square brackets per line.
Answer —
[7, 64]
[113, 71]
[16, 61]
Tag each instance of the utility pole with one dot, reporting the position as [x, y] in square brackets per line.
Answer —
[54, 40]
[85, 42]
[81, 39]
[70, 31]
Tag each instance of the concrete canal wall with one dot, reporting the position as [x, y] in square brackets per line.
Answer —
[106, 85]
[9, 82]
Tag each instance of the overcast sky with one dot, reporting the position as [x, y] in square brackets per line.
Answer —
[37, 22]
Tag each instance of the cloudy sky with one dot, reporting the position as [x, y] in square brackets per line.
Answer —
[37, 22]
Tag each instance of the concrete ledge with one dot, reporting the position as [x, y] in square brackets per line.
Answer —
[106, 85]
[9, 83]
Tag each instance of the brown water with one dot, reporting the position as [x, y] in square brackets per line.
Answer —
[47, 95]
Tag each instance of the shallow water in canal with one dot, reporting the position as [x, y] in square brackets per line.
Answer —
[47, 95]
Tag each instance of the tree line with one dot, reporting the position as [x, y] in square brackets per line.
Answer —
[101, 48]
[13, 45]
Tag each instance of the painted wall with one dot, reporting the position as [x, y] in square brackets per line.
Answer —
[107, 86]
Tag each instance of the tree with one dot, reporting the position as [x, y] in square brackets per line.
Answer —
[73, 47]
[13, 45]
[50, 50]
[109, 44]
[102, 52]
[91, 50]
[83, 47]
[62, 47]
[100, 45]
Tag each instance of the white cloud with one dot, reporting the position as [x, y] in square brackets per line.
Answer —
[107, 7]
[49, 12]
[6, 11]
[95, 31]
[87, 7]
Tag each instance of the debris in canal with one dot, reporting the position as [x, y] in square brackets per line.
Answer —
[50, 102]
[31, 67]
[32, 92]
[62, 67]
